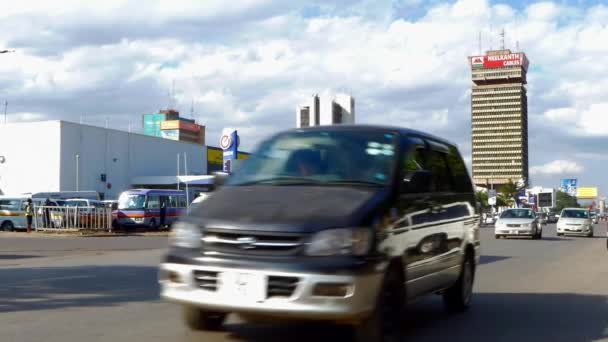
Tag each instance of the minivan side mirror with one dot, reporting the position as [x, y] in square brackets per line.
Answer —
[416, 182]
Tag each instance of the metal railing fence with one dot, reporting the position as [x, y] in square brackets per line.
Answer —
[68, 218]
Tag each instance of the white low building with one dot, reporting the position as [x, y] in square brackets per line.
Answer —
[63, 156]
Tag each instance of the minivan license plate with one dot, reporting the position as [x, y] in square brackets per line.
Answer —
[244, 286]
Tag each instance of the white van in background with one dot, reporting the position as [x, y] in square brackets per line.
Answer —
[12, 212]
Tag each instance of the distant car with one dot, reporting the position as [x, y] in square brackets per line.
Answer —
[490, 219]
[594, 218]
[542, 217]
[518, 222]
[552, 217]
[575, 221]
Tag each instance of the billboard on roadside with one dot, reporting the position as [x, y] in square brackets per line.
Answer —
[569, 186]
[586, 193]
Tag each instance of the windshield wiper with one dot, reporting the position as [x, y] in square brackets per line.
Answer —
[355, 182]
[282, 180]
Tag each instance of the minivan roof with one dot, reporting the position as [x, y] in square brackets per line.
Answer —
[401, 130]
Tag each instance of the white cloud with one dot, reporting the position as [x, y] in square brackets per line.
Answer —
[558, 167]
[543, 10]
[586, 121]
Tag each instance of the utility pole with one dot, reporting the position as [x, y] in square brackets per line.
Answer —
[492, 187]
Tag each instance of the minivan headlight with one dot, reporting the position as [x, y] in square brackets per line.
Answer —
[343, 241]
[185, 235]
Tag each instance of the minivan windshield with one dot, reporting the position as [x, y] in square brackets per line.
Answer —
[572, 213]
[127, 201]
[517, 213]
[320, 157]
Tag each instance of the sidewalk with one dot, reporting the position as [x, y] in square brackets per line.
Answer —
[47, 234]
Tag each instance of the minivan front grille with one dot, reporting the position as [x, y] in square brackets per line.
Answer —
[279, 286]
[251, 243]
[206, 280]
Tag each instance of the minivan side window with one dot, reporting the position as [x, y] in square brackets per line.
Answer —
[12, 205]
[413, 161]
[440, 174]
[460, 176]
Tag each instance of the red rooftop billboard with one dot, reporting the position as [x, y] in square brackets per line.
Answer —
[500, 61]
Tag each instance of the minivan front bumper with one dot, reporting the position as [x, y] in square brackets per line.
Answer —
[179, 283]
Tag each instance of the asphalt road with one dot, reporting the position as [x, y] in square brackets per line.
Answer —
[104, 289]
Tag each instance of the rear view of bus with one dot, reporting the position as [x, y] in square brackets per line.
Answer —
[149, 208]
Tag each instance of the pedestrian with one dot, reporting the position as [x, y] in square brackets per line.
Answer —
[163, 212]
[29, 214]
[47, 214]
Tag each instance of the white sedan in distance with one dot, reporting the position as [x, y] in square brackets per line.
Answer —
[518, 222]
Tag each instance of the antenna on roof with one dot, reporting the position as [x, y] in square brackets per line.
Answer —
[491, 37]
[479, 42]
[517, 46]
[192, 110]
[502, 39]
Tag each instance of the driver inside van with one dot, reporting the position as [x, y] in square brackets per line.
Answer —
[304, 163]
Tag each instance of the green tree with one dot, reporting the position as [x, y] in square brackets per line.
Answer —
[564, 200]
[501, 202]
[482, 198]
[509, 191]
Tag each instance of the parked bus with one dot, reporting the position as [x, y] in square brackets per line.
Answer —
[142, 208]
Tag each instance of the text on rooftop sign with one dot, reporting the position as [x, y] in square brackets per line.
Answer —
[499, 61]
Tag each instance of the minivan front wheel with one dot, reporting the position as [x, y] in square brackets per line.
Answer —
[384, 324]
[7, 226]
[203, 320]
[458, 297]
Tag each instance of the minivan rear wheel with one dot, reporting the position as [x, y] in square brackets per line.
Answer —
[203, 320]
[384, 324]
[458, 297]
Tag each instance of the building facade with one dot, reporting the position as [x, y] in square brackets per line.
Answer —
[169, 125]
[499, 118]
[63, 156]
[326, 110]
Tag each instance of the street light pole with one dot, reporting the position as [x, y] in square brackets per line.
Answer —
[77, 172]
[6, 102]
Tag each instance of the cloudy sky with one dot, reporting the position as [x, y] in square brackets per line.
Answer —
[248, 63]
